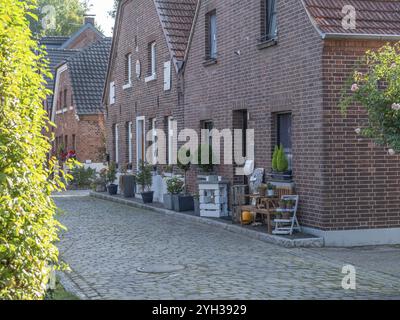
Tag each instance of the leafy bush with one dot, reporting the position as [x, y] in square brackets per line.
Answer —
[175, 185]
[83, 177]
[28, 229]
[377, 89]
[280, 162]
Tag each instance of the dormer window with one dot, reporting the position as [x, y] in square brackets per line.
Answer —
[128, 71]
[152, 62]
[268, 20]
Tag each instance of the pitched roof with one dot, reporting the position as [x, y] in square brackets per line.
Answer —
[177, 18]
[373, 17]
[87, 70]
[56, 57]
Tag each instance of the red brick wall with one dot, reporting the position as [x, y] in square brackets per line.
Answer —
[285, 77]
[84, 39]
[362, 182]
[140, 24]
[88, 130]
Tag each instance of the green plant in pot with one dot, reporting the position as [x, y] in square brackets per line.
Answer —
[144, 178]
[280, 165]
[175, 186]
[111, 176]
[100, 183]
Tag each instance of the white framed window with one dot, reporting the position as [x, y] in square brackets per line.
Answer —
[171, 140]
[116, 136]
[128, 71]
[112, 93]
[154, 140]
[140, 141]
[212, 48]
[130, 142]
[152, 62]
[167, 75]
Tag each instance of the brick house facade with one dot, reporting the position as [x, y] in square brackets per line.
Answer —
[77, 108]
[284, 82]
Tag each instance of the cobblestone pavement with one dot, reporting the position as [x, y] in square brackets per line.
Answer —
[107, 243]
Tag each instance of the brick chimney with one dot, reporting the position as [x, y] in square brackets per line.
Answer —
[89, 19]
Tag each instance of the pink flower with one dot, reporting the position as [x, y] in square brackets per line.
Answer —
[358, 130]
[396, 106]
[392, 152]
[355, 87]
[394, 65]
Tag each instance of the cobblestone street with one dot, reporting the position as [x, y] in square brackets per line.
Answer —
[107, 243]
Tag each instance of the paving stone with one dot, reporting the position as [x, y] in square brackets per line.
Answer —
[107, 242]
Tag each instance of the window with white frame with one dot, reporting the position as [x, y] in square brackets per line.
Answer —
[211, 44]
[112, 93]
[154, 140]
[152, 62]
[116, 142]
[167, 75]
[170, 140]
[140, 141]
[128, 70]
[130, 143]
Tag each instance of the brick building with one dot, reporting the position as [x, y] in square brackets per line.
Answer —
[77, 108]
[277, 67]
[60, 48]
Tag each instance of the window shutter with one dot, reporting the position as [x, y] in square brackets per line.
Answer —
[167, 75]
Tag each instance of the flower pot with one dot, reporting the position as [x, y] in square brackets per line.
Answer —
[271, 193]
[147, 196]
[183, 202]
[112, 189]
[282, 176]
[168, 202]
[129, 186]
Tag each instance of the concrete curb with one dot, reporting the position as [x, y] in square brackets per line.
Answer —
[287, 243]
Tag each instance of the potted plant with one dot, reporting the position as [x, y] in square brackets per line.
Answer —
[144, 178]
[111, 176]
[184, 201]
[174, 187]
[280, 165]
[271, 190]
[262, 190]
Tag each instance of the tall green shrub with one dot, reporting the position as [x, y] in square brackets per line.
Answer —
[28, 229]
[282, 160]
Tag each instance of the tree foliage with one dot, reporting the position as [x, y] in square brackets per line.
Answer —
[58, 17]
[376, 87]
[28, 229]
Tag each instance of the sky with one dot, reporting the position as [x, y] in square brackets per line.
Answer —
[101, 8]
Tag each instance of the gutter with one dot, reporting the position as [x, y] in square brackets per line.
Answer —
[361, 36]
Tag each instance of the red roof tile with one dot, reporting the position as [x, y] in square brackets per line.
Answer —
[373, 17]
[177, 18]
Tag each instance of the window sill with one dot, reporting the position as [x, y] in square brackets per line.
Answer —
[210, 62]
[266, 44]
[151, 78]
[127, 86]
